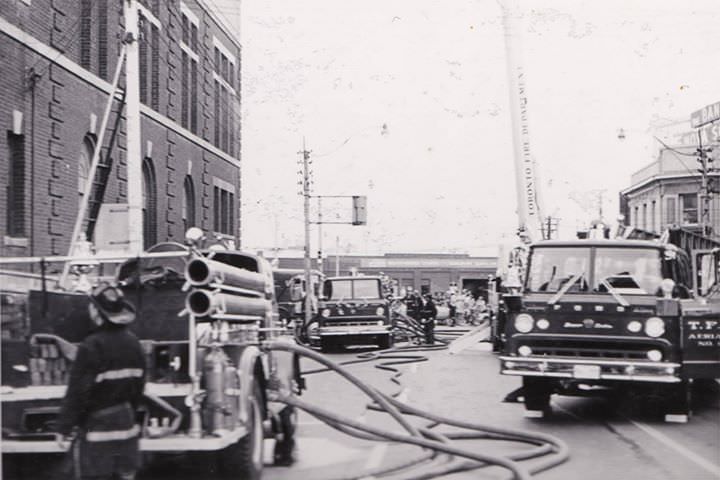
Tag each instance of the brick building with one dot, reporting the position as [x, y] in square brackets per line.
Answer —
[666, 193]
[57, 61]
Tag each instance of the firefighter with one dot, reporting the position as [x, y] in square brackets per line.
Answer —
[105, 387]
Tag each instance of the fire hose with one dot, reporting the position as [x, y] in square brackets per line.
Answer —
[554, 449]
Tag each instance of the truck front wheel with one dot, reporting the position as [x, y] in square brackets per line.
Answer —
[536, 392]
[678, 402]
[385, 342]
[244, 459]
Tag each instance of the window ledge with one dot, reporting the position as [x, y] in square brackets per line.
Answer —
[15, 241]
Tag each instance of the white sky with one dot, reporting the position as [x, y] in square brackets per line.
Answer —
[434, 72]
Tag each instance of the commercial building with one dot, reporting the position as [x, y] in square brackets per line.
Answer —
[667, 193]
[425, 272]
[57, 62]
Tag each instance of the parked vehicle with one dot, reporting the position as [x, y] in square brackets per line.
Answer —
[353, 311]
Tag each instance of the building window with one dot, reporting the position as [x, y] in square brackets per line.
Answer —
[188, 208]
[189, 74]
[155, 69]
[16, 186]
[217, 114]
[102, 39]
[184, 91]
[149, 204]
[670, 211]
[225, 94]
[689, 206]
[86, 154]
[652, 216]
[143, 54]
[636, 218]
[85, 33]
[223, 210]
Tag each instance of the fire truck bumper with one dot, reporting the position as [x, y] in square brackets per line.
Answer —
[171, 443]
[591, 369]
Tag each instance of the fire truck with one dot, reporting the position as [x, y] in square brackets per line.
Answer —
[202, 315]
[353, 311]
[290, 292]
[614, 314]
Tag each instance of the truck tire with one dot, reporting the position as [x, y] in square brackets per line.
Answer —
[679, 399]
[244, 459]
[385, 342]
[283, 454]
[536, 393]
[328, 345]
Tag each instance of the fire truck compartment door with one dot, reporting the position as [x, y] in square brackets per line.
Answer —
[700, 337]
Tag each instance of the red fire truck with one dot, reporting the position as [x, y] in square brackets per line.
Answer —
[201, 317]
[596, 314]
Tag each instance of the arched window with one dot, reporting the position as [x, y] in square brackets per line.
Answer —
[86, 154]
[149, 204]
[188, 207]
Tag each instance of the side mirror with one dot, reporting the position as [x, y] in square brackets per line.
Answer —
[707, 268]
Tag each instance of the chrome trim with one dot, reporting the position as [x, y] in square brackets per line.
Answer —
[606, 362]
[637, 378]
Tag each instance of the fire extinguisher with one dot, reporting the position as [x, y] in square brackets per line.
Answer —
[214, 369]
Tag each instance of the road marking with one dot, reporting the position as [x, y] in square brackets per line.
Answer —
[669, 442]
[376, 456]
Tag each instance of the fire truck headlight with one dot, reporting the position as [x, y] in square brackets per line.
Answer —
[654, 326]
[325, 313]
[543, 324]
[524, 351]
[524, 323]
[380, 311]
[654, 355]
[634, 326]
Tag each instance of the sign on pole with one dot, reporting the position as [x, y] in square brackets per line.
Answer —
[705, 115]
[359, 210]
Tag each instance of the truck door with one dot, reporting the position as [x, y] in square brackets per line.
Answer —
[700, 326]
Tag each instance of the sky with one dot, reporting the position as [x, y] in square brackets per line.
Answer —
[406, 101]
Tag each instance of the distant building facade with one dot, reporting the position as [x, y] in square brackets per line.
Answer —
[57, 60]
[425, 272]
[666, 193]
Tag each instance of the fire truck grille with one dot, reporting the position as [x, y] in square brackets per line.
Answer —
[588, 349]
[352, 324]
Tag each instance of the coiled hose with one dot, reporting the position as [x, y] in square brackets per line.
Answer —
[553, 449]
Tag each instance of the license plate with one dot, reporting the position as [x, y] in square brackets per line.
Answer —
[586, 371]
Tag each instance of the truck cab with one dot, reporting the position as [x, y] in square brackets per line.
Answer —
[353, 311]
[609, 314]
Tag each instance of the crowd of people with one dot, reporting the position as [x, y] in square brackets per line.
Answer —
[452, 307]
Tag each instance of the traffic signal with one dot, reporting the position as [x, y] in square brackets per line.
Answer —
[359, 216]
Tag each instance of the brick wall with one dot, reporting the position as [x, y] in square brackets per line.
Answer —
[67, 106]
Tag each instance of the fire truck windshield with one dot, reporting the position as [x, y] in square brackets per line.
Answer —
[360, 288]
[620, 270]
[628, 271]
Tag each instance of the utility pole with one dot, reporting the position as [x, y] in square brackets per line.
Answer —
[306, 209]
[705, 193]
[320, 222]
[132, 128]
[551, 226]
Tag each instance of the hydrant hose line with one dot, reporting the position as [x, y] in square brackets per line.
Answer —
[553, 449]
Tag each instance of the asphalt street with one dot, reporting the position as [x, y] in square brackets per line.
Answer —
[622, 438]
